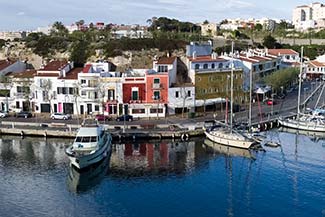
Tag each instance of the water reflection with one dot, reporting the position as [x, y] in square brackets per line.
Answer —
[196, 172]
[315, 136]
[32, 151]
[153, 158]
[219, 149]
[83, 180]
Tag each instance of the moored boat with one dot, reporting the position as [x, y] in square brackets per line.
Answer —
[90, 146]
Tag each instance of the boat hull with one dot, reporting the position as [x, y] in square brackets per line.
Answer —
[302, 125]
[227, 139]
[81, 162]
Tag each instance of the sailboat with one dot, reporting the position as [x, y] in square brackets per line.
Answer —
[309, 122]
[224, 134]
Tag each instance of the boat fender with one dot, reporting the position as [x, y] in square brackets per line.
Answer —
[45, 135]
[184, 137]
[259, 126]
[133, 137]
[265, 125]
[22, 133]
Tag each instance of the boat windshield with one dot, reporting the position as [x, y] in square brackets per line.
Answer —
[86, 139]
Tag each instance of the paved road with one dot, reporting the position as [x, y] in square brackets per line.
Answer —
[282, 106]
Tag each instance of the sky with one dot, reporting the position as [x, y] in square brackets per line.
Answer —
[30, 14]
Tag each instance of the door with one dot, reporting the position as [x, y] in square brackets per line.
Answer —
[82, 109]
[89, 109]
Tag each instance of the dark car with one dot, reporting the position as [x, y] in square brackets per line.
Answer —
[101, 117]
[126, 117]
[24, 114]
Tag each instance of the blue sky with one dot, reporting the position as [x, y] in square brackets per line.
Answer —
[29, 14]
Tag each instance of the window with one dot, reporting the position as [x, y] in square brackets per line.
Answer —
[205, 66]
[177, 94]
[83, 81]
[154, 110]
[83, 93]
[138, 111]
[70, 90]
[213, 66]
[96, 95]
[197, 66]
[156, 81]
[220, 65]
[162, 68]
[188, 93]
[156, 95]
[64, 90]
[135, 93]
[96, 108]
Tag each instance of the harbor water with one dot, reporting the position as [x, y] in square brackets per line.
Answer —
[165, 178]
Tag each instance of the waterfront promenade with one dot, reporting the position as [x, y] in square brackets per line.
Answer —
[169, 127]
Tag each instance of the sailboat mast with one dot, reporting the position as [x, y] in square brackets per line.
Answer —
[250, 98]
[231, 84]
[300, 78]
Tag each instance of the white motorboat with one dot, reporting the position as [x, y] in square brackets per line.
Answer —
[82, 180]
[90, 146]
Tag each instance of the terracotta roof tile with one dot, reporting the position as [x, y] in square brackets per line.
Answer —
[86, 68]
[47, 75]
[206, 59]
[276, 52]
[72, 74]
[166, 60]
[317, 64]
[5, 63]
[55, 65]
[25, 74]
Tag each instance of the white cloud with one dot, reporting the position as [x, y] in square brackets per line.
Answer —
[21, 13]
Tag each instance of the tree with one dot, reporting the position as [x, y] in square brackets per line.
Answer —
[79, 52]
[58, 29]
[281, 78]
[269, 42]
[258, 27]
[206, 22]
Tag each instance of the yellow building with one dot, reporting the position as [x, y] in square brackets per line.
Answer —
[216, 84]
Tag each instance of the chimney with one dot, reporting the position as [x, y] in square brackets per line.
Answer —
[194, 55]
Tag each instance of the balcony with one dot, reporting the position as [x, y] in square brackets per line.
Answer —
[20, 95]
[156, 86]
[135, 101]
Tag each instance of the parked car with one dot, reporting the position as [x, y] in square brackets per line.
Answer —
[60, 116]
[126, 117]
[3, 114]
[24, 114]
[101, 117]
[270, 102]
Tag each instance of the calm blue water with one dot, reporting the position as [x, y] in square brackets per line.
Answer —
[165, 179]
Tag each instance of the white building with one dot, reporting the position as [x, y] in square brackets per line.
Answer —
[179, 97]
[289, 57]
[209, 29]
[312, 16]
[54, 92]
